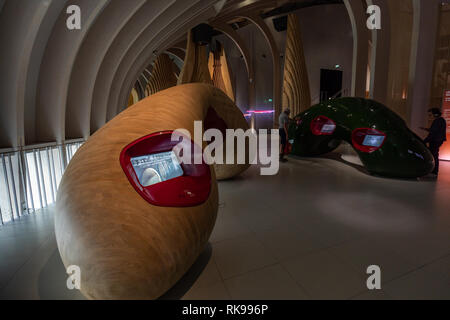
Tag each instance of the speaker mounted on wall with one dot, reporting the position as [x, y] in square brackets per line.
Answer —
[280, 24]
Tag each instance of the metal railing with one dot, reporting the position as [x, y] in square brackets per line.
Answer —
[30, 177]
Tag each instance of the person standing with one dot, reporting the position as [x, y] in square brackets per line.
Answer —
[437, 135]
[283, 121]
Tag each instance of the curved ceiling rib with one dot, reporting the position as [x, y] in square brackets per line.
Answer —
[121, 44]
[177, 56]
[191, 16]
[56, 68]
[39, 47]
[145, 46]
[356, 12]
[16, 59]
[93, 50]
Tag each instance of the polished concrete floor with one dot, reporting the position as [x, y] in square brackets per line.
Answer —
[308, 233]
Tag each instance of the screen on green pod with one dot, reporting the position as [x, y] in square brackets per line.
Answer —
[373, 140]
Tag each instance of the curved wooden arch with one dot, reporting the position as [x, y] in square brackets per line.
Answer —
[177, 53]
[296, 91]
[163, 76]
[140, 88]
[195, 68]
[144, 19]
[239, 42]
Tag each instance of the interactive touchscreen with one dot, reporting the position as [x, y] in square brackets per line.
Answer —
[373, 140]
[328, 128]
[155, 168]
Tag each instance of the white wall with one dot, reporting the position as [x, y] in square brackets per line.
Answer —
[328, 41]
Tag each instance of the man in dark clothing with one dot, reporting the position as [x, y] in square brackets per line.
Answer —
[437, 135]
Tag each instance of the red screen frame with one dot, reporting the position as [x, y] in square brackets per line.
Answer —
[321, 120]
[190, 189]
[358, 142]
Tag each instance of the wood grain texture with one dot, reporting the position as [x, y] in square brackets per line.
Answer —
[195, 68]
[220, 71]
[234, 119]
[163, 75]
[133, 98]
[127, 248]
[296, 91]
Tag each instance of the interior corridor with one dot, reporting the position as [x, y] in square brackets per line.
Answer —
[309, 232]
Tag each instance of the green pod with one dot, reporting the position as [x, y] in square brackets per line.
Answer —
[383, 141]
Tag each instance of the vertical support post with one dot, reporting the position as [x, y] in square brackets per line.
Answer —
[64, 159]
[61, 161]
[23, 179]
[53, 170]
[1, 216]
[5, 173]
[27, 172]
[43, 178]
[51, 175]
[38, 178]
[13, 185]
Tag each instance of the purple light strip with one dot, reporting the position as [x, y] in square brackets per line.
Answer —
[250, 112]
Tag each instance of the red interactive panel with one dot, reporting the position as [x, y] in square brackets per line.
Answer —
[368, 140]
[323, 126]
[156, 173]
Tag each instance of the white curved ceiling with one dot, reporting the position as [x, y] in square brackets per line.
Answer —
[57, 84]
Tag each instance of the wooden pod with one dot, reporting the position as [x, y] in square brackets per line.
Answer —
[126, 247]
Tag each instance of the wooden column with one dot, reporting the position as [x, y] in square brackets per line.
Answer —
[195, 67]
[220, 72]
[296, 92]
[163, 75]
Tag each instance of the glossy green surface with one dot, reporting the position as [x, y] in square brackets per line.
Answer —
[403, 154]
